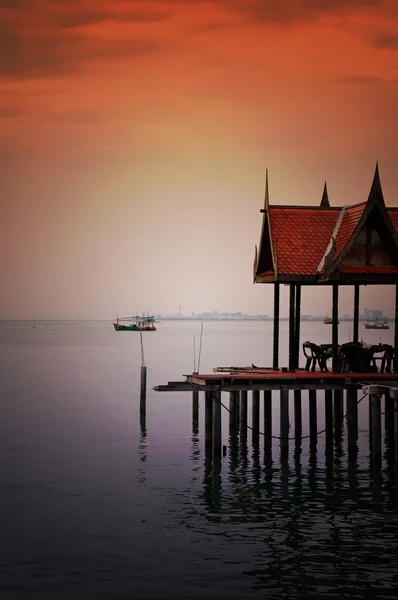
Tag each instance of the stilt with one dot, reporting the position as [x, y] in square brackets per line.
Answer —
[243, 411]
[233, 417]
[143, 388]
[267, 422]
[351, 395]
[338, 406]
[195, 411]
[329, 419]
[297, 413]
[217, 423]
[255, 414]
[376, 427]
[395, 360]
[208, 419]
[284, 418]
[335, 327]
[395, 397]
[389, 419]
[313, 416]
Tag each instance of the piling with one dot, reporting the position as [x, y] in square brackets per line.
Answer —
[195, 411]
[233, 409]
[284, 421]
[352, 418]
[338, 406]
[297, 413]
[217, 423]
[143, 389]
[329, 418]
[267, 422]
[208, 419]
[376, 426]
[256, 414]
[396, 431]
[243, 411]
[313, 416]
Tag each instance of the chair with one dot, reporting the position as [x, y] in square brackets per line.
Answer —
[353, 356]
[315, 354]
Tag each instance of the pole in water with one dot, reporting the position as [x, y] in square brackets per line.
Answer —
[143, 378]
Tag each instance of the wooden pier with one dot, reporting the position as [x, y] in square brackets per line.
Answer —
[236, 383]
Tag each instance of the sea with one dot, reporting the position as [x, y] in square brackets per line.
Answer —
[101, 501]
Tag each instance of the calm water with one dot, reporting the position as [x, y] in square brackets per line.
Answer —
[98, 503]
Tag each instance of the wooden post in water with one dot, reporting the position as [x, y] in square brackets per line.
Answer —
[256, 414]
[217, 423]
[329, 419]
[233, 417]
[243, 411]
[284, 418]
[208, 419]
[395, 359]
[352, 417]
[143, 388]
[267, 422]
[297, 413]
[195, 411]
[394, 396]
[374, 393]
[389, 418]
[338, 406]
[313, 416]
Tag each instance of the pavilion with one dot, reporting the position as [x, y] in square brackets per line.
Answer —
[327, 245]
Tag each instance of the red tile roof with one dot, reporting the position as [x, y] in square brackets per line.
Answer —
[370, 269]
[301, 236]
[393, 214]
[352, 214]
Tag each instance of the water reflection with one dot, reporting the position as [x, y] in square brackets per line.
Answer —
[318, 524]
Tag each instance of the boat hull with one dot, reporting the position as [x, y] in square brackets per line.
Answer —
[371, 326]
[133, 327]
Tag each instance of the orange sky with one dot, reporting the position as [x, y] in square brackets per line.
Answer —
[134, 137]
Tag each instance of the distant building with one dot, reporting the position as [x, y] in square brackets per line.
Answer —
[376, 314]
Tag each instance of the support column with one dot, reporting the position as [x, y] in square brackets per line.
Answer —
[395, 397]
[255, 414]
[338, 406]
[313, 416]
[292, 339]
[217, 423]
[208, 419]
[395, 360]
[297, 413]
[243, 411]
[335, 327]
[329, 419]
[356, 313]
[352, 416]
[275, 362]
[195, 411]
[297, 324]
[233, 418]
[267, 421]
[376, 427]
[284, 421]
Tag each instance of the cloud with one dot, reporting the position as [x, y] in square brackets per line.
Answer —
[385, 41]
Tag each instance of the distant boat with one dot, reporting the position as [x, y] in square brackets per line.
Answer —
[329, 321]
[378, 324]
[137, 324]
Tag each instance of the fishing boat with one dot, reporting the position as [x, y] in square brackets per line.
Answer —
[137, 324]
[328, 320]
[378, 324]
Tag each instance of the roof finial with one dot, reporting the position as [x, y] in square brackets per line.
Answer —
[376, 190]
[266, 194]
[325, 198]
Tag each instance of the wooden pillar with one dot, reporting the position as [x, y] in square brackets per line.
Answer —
[356, 313]
[275, 362]
[396, 331]
[267, 421]
[233, 417]
[143, 389]
[284, 421]
[335, 327]
[195, 411]
[395, 397]
[338, 406]
[329, 419]
[389, 418]
[292, 339]
[313, 416]
[352, 417]
[297, 413]
[376, 427]
[297, 324]
[256, 414]
[217, 423]
[208, 419]
[243, 411]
